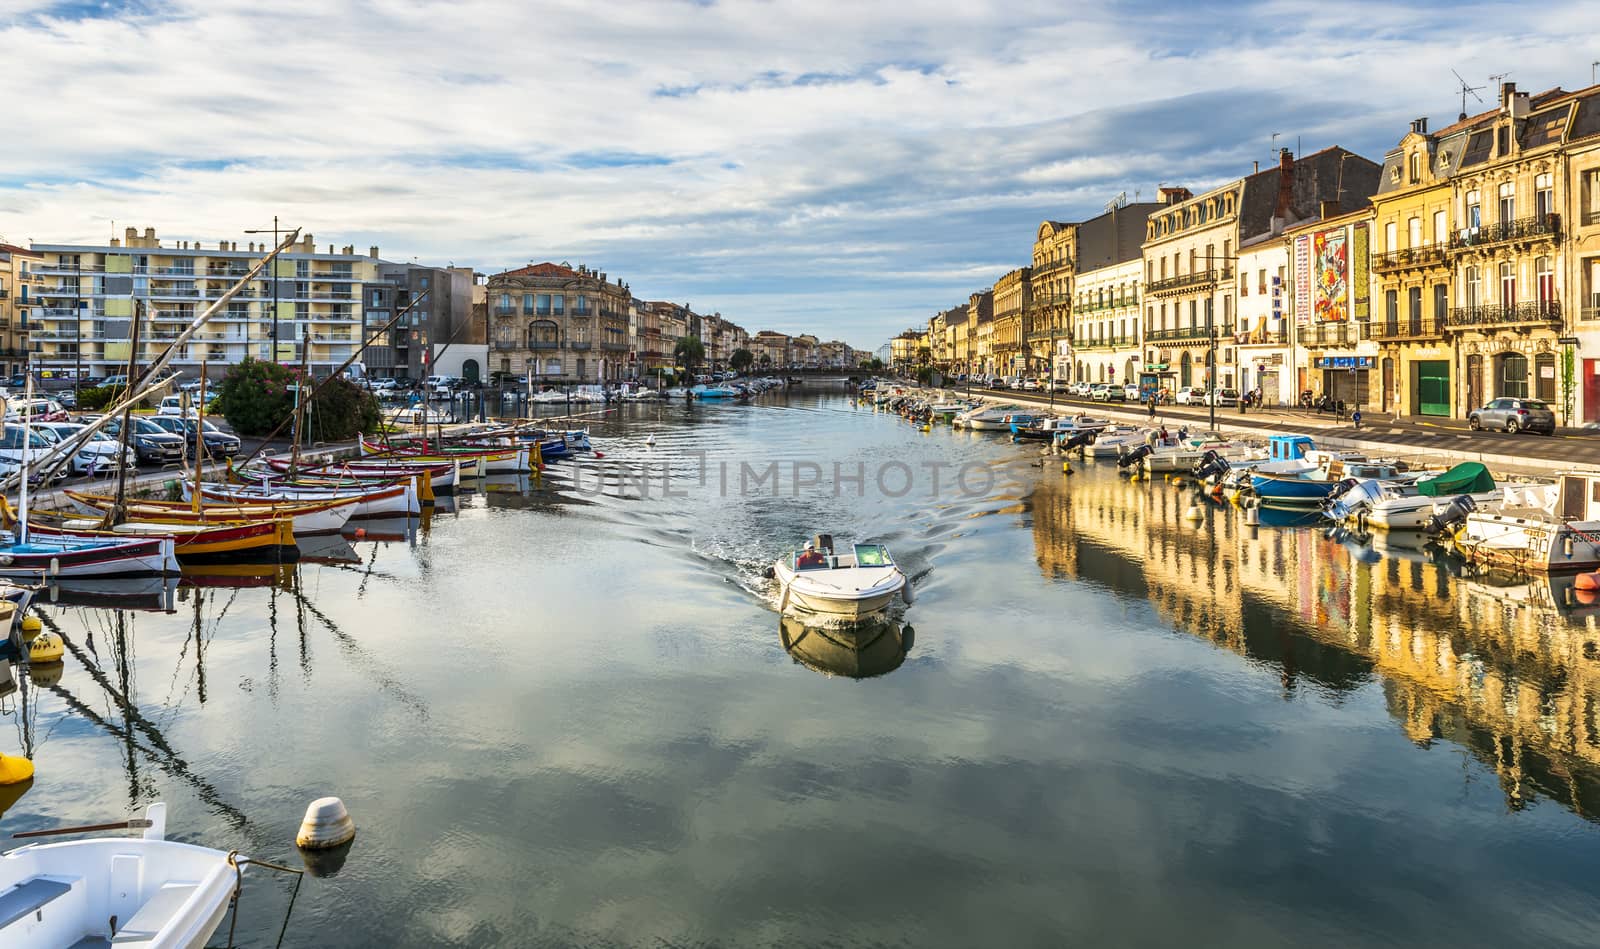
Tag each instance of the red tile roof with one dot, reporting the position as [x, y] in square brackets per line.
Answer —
[545, 269]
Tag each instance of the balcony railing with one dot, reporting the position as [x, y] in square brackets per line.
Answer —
[1589, 217]
[1109, 342]
[1263, 338]
[1522, 229]
[1530, 314]
[1590, 312]
[1054, 267]
[545, 344]
[1190, 281]
[1116, 304]
[505, 311]
[1328, 334]
[1420, 328]
[1187, 333]
[1428, 255]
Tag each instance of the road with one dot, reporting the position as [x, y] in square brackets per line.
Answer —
[1574, 447]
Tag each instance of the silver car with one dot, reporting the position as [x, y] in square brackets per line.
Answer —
[1514, 415]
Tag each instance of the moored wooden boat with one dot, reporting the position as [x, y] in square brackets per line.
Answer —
[443, 474]
[321, 517]
[390, 500]
[266, 541]
[499, 460]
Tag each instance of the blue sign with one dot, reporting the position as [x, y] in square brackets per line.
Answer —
[1345, 362]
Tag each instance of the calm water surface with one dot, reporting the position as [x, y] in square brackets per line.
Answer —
[565, 714]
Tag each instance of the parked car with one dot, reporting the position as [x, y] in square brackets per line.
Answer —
[1099, 392]
[152, 443]
[1079, 390]
[1131, 393]
[1191, 395]
[12, 452]
[99, 453]
[39, 410]
[219, 444]
[1515, 415]
[1222, 397]
[1031, 385]
[171, 405]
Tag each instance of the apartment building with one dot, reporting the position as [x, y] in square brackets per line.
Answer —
[559, 324]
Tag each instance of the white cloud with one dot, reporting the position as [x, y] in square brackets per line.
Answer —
[742, 150]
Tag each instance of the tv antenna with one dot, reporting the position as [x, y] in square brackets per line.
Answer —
[1465, 89]
[1119, 201]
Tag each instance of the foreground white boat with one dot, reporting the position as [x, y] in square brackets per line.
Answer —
[1537, 528]
[115, 891]
[817, 579]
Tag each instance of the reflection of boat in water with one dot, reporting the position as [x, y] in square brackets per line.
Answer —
[857, 649]
[1282, 517]
[327, 548]
[1554, 594]
[149, 594]
[240, 575]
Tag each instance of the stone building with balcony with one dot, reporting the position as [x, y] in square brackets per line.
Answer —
[1012, 297]
[1108, 277]
[980, 332]
[18, 281]
[90, 297]
[1583, 249]
[1509, 188]
[1261, 325]
[1331, 307]
[1411, 271]
[1047, 322]
[559, 324]
[770, 349]
[1190, 253]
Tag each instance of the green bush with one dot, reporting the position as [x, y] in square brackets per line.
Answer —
[340, 411]
[95, 398]
[256, 396]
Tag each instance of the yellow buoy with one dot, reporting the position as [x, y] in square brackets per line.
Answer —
[46, 647]
[46, 673]
[31, 627]
[1066, 467]
[15, 769]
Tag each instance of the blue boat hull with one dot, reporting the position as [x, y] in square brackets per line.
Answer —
[1299, 492]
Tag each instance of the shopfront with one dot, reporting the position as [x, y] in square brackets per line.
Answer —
[1345, 377]
[1430, 387]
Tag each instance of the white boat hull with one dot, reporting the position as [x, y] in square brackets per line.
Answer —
[1530, 542]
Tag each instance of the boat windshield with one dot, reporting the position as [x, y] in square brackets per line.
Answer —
[872, 555]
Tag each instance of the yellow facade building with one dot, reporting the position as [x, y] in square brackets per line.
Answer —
[18, 285]
[1047, 328]
[1011, 299]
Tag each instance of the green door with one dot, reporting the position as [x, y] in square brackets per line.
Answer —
[1432, 387]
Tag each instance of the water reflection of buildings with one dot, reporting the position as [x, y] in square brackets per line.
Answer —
[870, 646]
[1508, 672]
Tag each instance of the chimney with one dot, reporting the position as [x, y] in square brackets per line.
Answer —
[222, 246]
[1285, 206]
[149, 233]
[1508, 94]
[1327, 209]
[130, 235]
[1420, 126]
[1255, 167]
[373, 253]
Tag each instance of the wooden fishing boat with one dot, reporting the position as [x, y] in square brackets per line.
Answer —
[444, 474]
[391, 500]
[490, 460]
[258, 541]
[46, 557]
[321, 517]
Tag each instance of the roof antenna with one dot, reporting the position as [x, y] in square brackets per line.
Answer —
[1465, 88]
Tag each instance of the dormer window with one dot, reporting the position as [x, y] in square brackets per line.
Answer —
[1416, 168]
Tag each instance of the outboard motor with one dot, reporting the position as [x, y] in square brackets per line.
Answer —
[823, 542]
[1077, 440]
[1133, 457]
[1453, 516]
[1210, 465]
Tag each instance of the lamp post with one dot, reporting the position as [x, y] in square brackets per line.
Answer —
[274, 232]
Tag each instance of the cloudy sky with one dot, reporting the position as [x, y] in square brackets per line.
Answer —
[845, 168]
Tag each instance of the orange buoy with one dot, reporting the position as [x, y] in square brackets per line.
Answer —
[1586, 581]
[1586, 597]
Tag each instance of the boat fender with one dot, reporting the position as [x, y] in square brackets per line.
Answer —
[15, 769]
[31, 627]
[1586, 581]
[908, 638]
[769, 573]
[1566, 548]
[906, 594]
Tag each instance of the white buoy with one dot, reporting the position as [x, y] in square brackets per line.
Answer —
[1194, 513]
[650, 441]
[1252, 514]
[326, 824]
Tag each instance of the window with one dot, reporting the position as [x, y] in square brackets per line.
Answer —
[377, 298]
[1508, 202]
[1244, 284]
[1508, 285]
[1391, 237]
[1544, 197]
[1414, 307]
[1472, 293]
[1441, 227]
[1261, 280]
[1415, 168]
[542, 304]
[1163, 268]
[1474, 211]
[1441, 300]
[1513, 375]
[1391, 308]
[527, 303]
[1414, 232]
[1545, 280]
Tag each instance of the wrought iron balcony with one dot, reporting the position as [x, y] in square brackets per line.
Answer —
[1263, 338]
[1428, 255]
[1200, 279]
[1109, 342]
[1329, 334]
[1590, 217]
[579, 346]
[1529, 314]
[544, 344]
[1522, 229]
[614, 347]
[1420, 328]
[505, 311]
[1188, 334]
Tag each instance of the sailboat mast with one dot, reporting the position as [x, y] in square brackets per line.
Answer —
[27, 444]
[299, 399]
[115, 515]
[199, 439]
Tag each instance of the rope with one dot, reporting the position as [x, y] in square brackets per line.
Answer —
[238, 888]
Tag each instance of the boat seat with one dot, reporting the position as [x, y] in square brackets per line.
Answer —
[142, 927]
[29, 896]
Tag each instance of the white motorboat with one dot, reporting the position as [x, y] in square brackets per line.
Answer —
[986, 417]
[1112, 441]
[1376, 504]
[818, 579]
[549, 397]
[116, 891]
[1536, 528]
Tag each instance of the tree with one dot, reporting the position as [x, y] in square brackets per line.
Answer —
[689, 352]
[341, 410]
[876, 364]
[741, 360]
[766, 360]
[256, 396]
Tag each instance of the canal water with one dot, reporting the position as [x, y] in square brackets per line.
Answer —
[566, 713]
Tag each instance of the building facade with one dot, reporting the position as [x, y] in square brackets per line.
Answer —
[1105, 323]
[1047, 322]
[559, 324]
[1261, 332]
[91, 296]
[1012, 297]
[1331, 307]
[438, 335]
[18, 282]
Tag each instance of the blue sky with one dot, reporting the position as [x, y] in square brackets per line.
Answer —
[843, 168]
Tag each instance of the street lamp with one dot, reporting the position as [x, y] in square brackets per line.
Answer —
[274, 232]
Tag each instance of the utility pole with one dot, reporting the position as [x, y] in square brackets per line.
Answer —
[77, 323]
